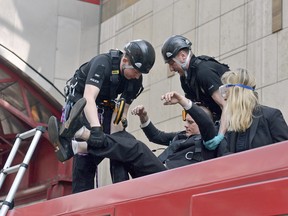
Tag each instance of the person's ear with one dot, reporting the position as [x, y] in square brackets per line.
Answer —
[184, 54]
[125, 60]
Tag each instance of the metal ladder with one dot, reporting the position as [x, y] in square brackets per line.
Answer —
[20, 168]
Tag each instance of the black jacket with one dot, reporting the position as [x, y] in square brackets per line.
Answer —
[183, 150]
[202, 80]
[268, 127]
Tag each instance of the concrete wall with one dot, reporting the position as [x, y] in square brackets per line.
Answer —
[53, 36]
[237, 32]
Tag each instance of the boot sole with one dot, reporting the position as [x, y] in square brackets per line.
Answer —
[54, 139]
[75, 112]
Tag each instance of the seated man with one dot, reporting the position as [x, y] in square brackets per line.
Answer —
[184, 147]
[136, 156]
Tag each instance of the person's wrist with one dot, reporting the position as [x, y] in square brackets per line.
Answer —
[144, 119]
[187, 105]
[145, 124]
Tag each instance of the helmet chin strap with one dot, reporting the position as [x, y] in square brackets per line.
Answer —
[125, 66]
[185, 64]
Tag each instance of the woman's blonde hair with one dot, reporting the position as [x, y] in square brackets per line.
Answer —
[240, 102]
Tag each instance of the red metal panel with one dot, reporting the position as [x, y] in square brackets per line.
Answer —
[97, 2]
[264, 198]
[169, 193]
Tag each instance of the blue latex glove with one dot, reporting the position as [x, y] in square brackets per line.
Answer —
[213, 143]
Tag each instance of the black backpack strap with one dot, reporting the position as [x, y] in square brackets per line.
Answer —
[193, 82]
[209, 58]
[114, 78]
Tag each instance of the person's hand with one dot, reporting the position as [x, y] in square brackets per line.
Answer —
[173, 97]
[97, 138]
[213, 143]
[141, 112]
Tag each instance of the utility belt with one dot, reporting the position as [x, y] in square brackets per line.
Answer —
[72, 96]
[106, 104]
[117, 106]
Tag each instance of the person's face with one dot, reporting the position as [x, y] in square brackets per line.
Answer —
[132, 73]
[175, 66]
[190, 126]
[128, 70]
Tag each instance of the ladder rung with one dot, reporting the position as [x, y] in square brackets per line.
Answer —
[27, 134]
[10, 170]
[20, 172]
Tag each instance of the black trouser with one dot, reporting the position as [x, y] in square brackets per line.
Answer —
[85, 165]
[136, 157]
[121, 147]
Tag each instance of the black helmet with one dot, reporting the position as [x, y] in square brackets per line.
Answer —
[141, 55]
[173, 45]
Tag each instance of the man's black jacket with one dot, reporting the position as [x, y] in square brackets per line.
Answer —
[183, 150]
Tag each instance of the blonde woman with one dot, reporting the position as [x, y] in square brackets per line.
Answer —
[249, 124]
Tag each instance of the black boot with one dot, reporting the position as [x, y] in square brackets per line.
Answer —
[74, 122]
[62, 145]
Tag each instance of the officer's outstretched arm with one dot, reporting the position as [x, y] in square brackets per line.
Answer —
[90, 94]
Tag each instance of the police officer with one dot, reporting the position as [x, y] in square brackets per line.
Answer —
[101, 81]
[199, 75]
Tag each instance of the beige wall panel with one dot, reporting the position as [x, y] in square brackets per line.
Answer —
[208, 10]
[269, 61]
[284, 13]
[143, 29]
[143, 99]
[89, 44]
[70, 12]
[172, 125]
[104, 177]
[192, 36]
[228, 5]
[123, 37]
[184, 16]
[235, 59]
[259, 19]
[107, 45]
[8, 30]
[161, 28]
[159, 70]
[232, 30]
[69, 33]
[108, 29]
[90, 31]
[158, 111]
[34, 33]
[276, 96]
[283, 55]
[208, 38]
[261, 60]
[124, 18]
[175, 84]
[147, 78]
[161, 4]
[254, 61]
[142, 8]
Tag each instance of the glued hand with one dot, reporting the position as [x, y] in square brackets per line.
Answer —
[213, 143]
[141, 112]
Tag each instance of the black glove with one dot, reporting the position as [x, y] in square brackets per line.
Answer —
[97, 138]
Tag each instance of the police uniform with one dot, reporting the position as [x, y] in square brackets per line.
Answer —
[101, 71]
[202, 80]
